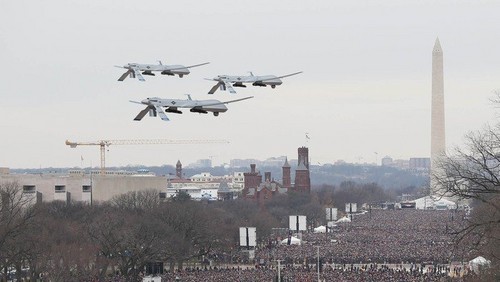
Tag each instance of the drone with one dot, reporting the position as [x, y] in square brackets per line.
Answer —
[159, 107]
[138, 70]
[227, 82]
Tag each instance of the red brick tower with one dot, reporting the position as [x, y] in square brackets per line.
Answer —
[302, 177]
[252, 178]
[287, 178]
[304, 156]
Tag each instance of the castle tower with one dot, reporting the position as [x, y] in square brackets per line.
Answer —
[252, 179]
[304, 156]
[438, 144]
[302, 180]
[287, 178]
[178, 169]
[302, 177]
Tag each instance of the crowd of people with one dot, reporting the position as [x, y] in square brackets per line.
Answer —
[382, 236]
[329, 273]
[380, 245]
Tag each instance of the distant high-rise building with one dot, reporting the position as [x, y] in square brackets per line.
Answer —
[387, 161]
[438, 143]
[420, 163]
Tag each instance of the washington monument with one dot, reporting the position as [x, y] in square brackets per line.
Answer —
[438, 145]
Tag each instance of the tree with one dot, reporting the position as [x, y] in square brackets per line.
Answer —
[182, 196]
[126, 239]
[64, 252]
[472, 173]
[16, 217]
[137, 200]
[193, 228]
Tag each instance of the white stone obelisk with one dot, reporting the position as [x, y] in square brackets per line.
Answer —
[438, 142]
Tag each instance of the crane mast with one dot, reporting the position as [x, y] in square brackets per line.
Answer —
[106, 143]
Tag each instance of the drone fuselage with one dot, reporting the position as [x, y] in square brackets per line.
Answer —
[261, 80]
[159, 107]
[199, 105]
[179, 70]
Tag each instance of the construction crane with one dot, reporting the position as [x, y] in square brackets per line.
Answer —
[106, 143]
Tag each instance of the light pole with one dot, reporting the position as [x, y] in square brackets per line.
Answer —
[318, 263]
[279, 270]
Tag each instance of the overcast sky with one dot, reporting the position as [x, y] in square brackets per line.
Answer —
[366, 85]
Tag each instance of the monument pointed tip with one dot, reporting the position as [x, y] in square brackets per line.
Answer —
[437, 46]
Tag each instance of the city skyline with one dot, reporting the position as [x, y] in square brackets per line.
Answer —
[365, 92]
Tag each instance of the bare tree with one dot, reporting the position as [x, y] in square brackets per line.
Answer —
[125, 240]
[137, 200]
[472, 173]
[16, 216]
[193, 230]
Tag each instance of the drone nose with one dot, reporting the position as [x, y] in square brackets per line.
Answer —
[145, 101]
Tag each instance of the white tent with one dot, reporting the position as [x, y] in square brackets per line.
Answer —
[151, 279]
[428, 202]
[477, 263]
[293, 241]
[320, 229]
[344, 219]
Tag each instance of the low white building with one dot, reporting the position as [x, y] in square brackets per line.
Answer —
[235, 181]
[196, 193]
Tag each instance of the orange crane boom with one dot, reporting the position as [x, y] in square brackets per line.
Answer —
[106, 143]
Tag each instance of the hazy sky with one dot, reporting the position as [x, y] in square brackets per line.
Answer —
[366, 85]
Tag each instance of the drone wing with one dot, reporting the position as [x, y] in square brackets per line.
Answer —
[283, 76]
[183, 67]
[193, 66]
[295, 73]
[227, 102]
[237, 100]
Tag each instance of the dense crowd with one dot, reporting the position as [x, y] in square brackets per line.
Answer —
[382, 245]
[384, 236]
[329, 273]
